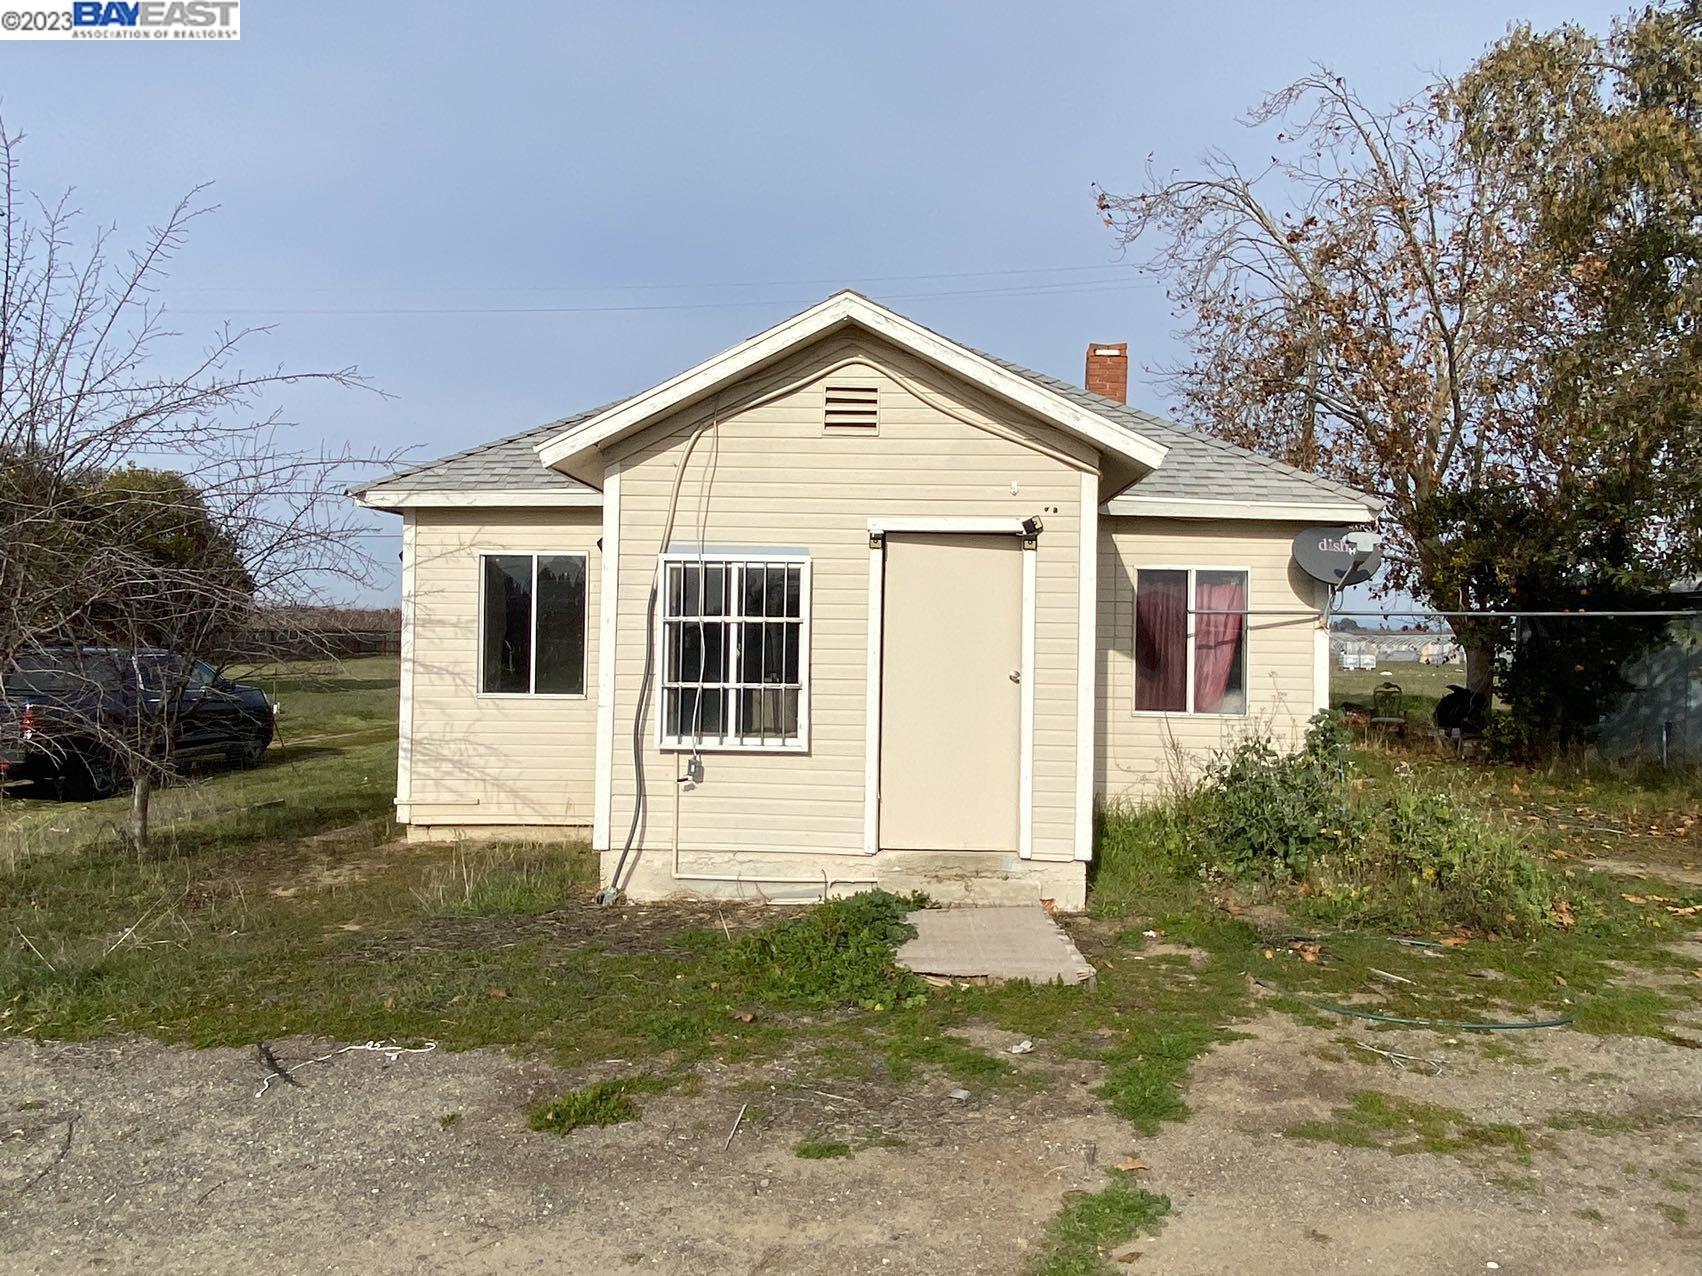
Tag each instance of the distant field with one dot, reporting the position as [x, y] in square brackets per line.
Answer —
[1422, 685]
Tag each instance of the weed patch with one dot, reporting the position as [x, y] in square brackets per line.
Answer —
[814, 1149]
[1590, 1122]
[840, 953]
[1079, 1238]
[600, 1103]
[1376, 1120]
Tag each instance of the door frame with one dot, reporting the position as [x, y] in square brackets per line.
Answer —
[949, 525]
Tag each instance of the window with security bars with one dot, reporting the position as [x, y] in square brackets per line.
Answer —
[735, 652]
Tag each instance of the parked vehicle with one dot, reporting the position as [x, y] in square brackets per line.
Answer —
[67, 714]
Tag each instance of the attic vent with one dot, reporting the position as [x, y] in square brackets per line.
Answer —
[852, 409]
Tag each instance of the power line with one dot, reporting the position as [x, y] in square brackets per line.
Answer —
[1026, 290]
[675, 287]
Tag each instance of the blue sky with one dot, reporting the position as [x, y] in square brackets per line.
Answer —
[505, 212]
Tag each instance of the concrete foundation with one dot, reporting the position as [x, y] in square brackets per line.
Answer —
[499, 832]
[947, 877]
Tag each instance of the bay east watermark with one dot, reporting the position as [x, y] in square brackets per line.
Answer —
[120, 20]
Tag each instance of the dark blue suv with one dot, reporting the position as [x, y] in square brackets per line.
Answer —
[69, 715]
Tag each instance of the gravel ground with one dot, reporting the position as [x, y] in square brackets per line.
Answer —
[134, 1156]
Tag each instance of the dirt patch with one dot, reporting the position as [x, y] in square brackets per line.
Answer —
[175, 1165]
[1615, 1193]
[134, 1155]
[1686, 872]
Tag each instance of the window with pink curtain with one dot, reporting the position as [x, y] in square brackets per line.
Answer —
[1220, 642]
[1161, 641]
[1212, 632]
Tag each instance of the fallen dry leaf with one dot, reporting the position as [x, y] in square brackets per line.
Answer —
[499, 992]
[1129, 1164]
[1632, 899]
[743, 1016]
[1306, 949]
[1455, 941]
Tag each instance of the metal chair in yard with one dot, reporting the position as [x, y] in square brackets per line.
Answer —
[1388, 710]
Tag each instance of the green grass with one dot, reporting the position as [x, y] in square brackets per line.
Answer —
[817, 1149]
[332, 764]
[1400, 1126]
[273, 905]
[1081, 1236]
[600, 1103]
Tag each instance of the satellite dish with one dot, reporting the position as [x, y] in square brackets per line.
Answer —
[1327, 554]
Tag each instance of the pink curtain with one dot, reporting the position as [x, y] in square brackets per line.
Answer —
[1217, 639]
[1161, 641]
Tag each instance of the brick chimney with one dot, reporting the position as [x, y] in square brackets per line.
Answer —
[1108, 370]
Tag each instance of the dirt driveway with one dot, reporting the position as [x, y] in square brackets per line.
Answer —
[133, 1156]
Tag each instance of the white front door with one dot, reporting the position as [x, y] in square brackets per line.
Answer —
[951, 696]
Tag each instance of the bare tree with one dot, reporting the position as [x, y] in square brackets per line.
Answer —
[1358, 306]
[145, 502]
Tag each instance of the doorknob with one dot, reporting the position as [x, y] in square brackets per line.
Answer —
[1016, 675]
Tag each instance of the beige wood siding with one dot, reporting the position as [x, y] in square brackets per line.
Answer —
[1139, 754]
[494, 760]
[767, 475]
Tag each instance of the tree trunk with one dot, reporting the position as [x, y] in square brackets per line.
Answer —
[141, 797]
[1480, 668]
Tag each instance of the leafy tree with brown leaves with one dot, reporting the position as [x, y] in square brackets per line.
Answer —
[1479, 304]
[1346, 307]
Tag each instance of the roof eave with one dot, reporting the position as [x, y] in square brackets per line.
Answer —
[488, 498]
[568, 450]
[1320, 510]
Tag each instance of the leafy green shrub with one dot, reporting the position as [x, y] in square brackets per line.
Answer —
[1427, 864]
[1416, 861]
[840, 953]
[1479, 876]
[1267, 815]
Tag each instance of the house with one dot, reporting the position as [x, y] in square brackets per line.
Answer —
[847, 604]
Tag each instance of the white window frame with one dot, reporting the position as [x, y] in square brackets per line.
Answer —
[532, 673]
[1193, 570]
[727, 556]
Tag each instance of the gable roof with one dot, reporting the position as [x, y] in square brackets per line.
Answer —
[575, 448]
[1181, 473]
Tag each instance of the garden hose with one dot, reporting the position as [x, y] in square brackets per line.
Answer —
[1457, 1025]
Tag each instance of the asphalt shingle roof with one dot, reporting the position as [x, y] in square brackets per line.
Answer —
[507, 462]
[1196, 467]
